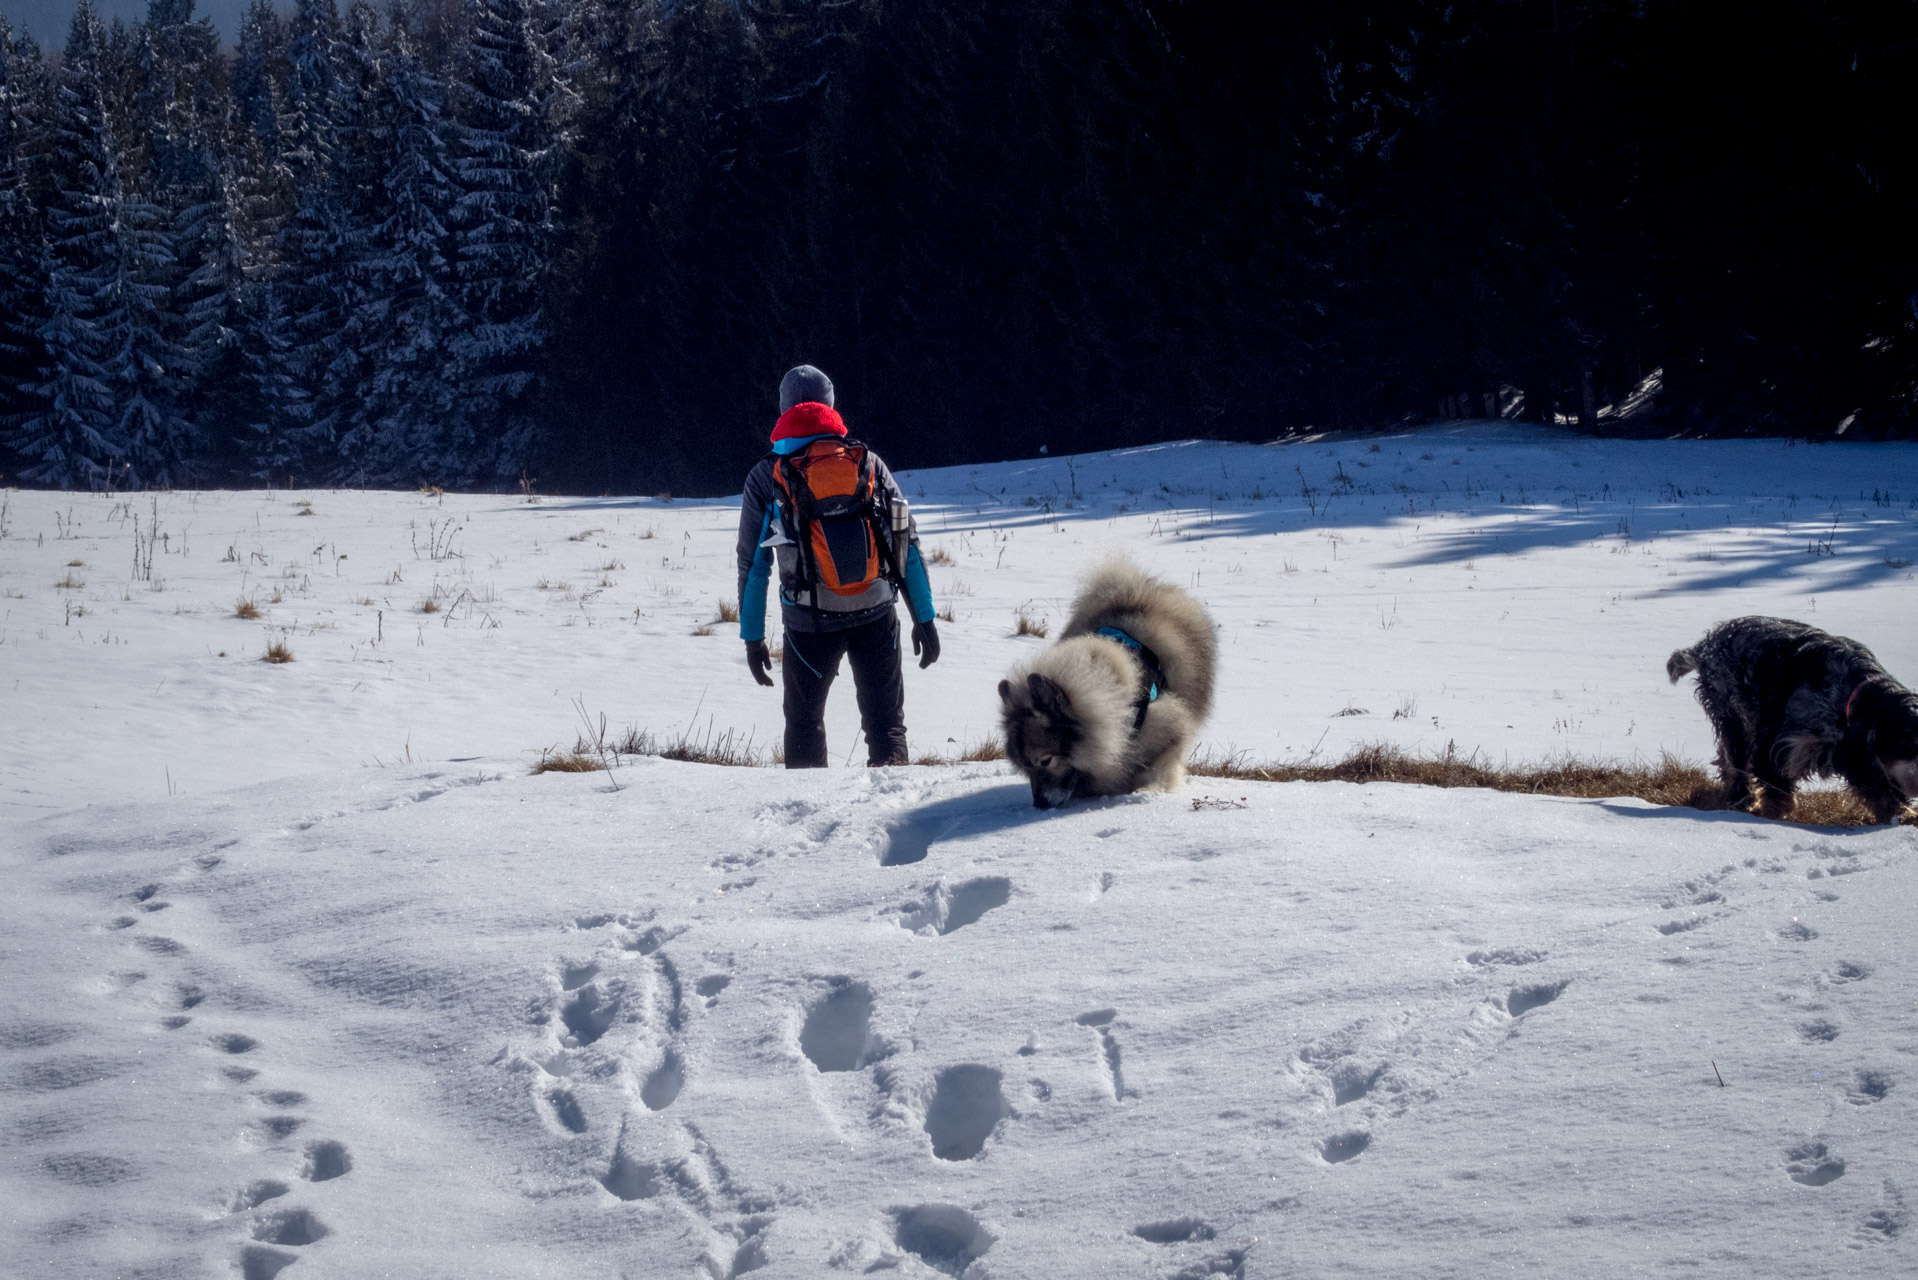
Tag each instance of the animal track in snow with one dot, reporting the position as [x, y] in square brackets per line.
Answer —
[233, 1042]
[1504, 955]
[631, 1179]
[35, 1035]
[1341, 1147]
[325, 1161]
[1680, 926]
[1850, 971]
[279, 1127]
[838, 1029]
[175, 1022]
[79, 1169]
[711, 985]
[257, 1262]
[255, 1195]
[574, 976]
[1887, 1222]
[946, 910]
[1818, 1031]
[1813, 1165]
[943, 1236]
[967, 1105]
[288, 1227]
[159, 946]
[1797, 931]
[663, 1082]
[565, 1110]
[588, 1015]
[283, 1098]
[909, 840]
[1867, 1087]
[1230, 1265]
[1175, 1231]
[1100, 1021]
[1522, 1000]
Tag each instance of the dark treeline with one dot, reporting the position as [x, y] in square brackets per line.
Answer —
[463, 242]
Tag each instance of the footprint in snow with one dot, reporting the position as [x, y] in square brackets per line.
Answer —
[1344, 1146]
[1520, 1001]
[1110, 1055]
[943, 1236]
[1818, 1031]
[565, 1110]
[1503, 956]
[1813, 1165]
[588, 1015]
[257, 1262]
[663, 1083]
[1797, 931]
[946, 910]
[255, 1195]
[325, 1161]
[1850, 971]
[1685, 925]
[967, 1105]
[709, 987]
[1229, 1265]
[233, 1042]
[1175, 1231]
[837, 1034]
[909, 840]
[1867, 1087]
[294, 1227]
[631, 1179]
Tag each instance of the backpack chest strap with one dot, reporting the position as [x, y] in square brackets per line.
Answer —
[1154, 673]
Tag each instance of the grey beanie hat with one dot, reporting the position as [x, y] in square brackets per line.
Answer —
[804, 384]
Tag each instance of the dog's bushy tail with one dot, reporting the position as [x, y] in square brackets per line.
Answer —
[1681, 664]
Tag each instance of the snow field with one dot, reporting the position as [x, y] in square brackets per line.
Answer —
[1511, 591]
[304, 974]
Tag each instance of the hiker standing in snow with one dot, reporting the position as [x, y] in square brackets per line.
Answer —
[828, 512]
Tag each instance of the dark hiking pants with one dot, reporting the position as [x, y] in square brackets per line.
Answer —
[807, 670]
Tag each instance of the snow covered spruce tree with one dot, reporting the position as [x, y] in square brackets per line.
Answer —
[99, 408]
[403, 423]
[503, 228]
[22, 241]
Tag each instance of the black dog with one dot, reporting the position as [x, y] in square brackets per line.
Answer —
[1788, 701]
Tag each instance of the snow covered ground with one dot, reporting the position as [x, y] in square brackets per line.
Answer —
[302, 969]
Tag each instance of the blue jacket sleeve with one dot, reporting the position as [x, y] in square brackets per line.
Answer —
[752, 594]
[918, 587]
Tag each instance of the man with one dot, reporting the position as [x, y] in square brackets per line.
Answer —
[828, 513]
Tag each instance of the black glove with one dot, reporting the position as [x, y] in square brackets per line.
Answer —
[761, 661]
[925, 637]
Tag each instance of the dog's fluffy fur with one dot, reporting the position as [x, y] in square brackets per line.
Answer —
[1068, 714]
[1777, 692]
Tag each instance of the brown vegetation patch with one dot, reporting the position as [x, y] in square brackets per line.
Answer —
[245, 608]
[1668, 781]
[276, 651]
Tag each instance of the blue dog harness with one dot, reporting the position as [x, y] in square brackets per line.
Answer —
[1154, 673]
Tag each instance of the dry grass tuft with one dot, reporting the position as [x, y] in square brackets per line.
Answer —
[430, 605]
[1027, 625]
[728, 612]
[70, 583]
[245, 608]
[76, 564]
[583, 535]
[702, 630]
[945, 615]
[581, 759]
[1670, 781]
[983, 752]
[939, 555]
[728, 748]
[305, 507]
[276, 651]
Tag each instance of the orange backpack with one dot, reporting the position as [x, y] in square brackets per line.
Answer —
[839, 519]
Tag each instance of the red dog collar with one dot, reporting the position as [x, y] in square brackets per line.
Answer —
[1854, 698]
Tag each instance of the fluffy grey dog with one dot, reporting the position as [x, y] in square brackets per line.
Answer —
[1115, 705]
[1788, 700]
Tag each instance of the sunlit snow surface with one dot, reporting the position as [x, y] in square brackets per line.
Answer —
[325, 1008]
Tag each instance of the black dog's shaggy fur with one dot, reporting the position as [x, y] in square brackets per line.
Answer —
[1787, 701]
